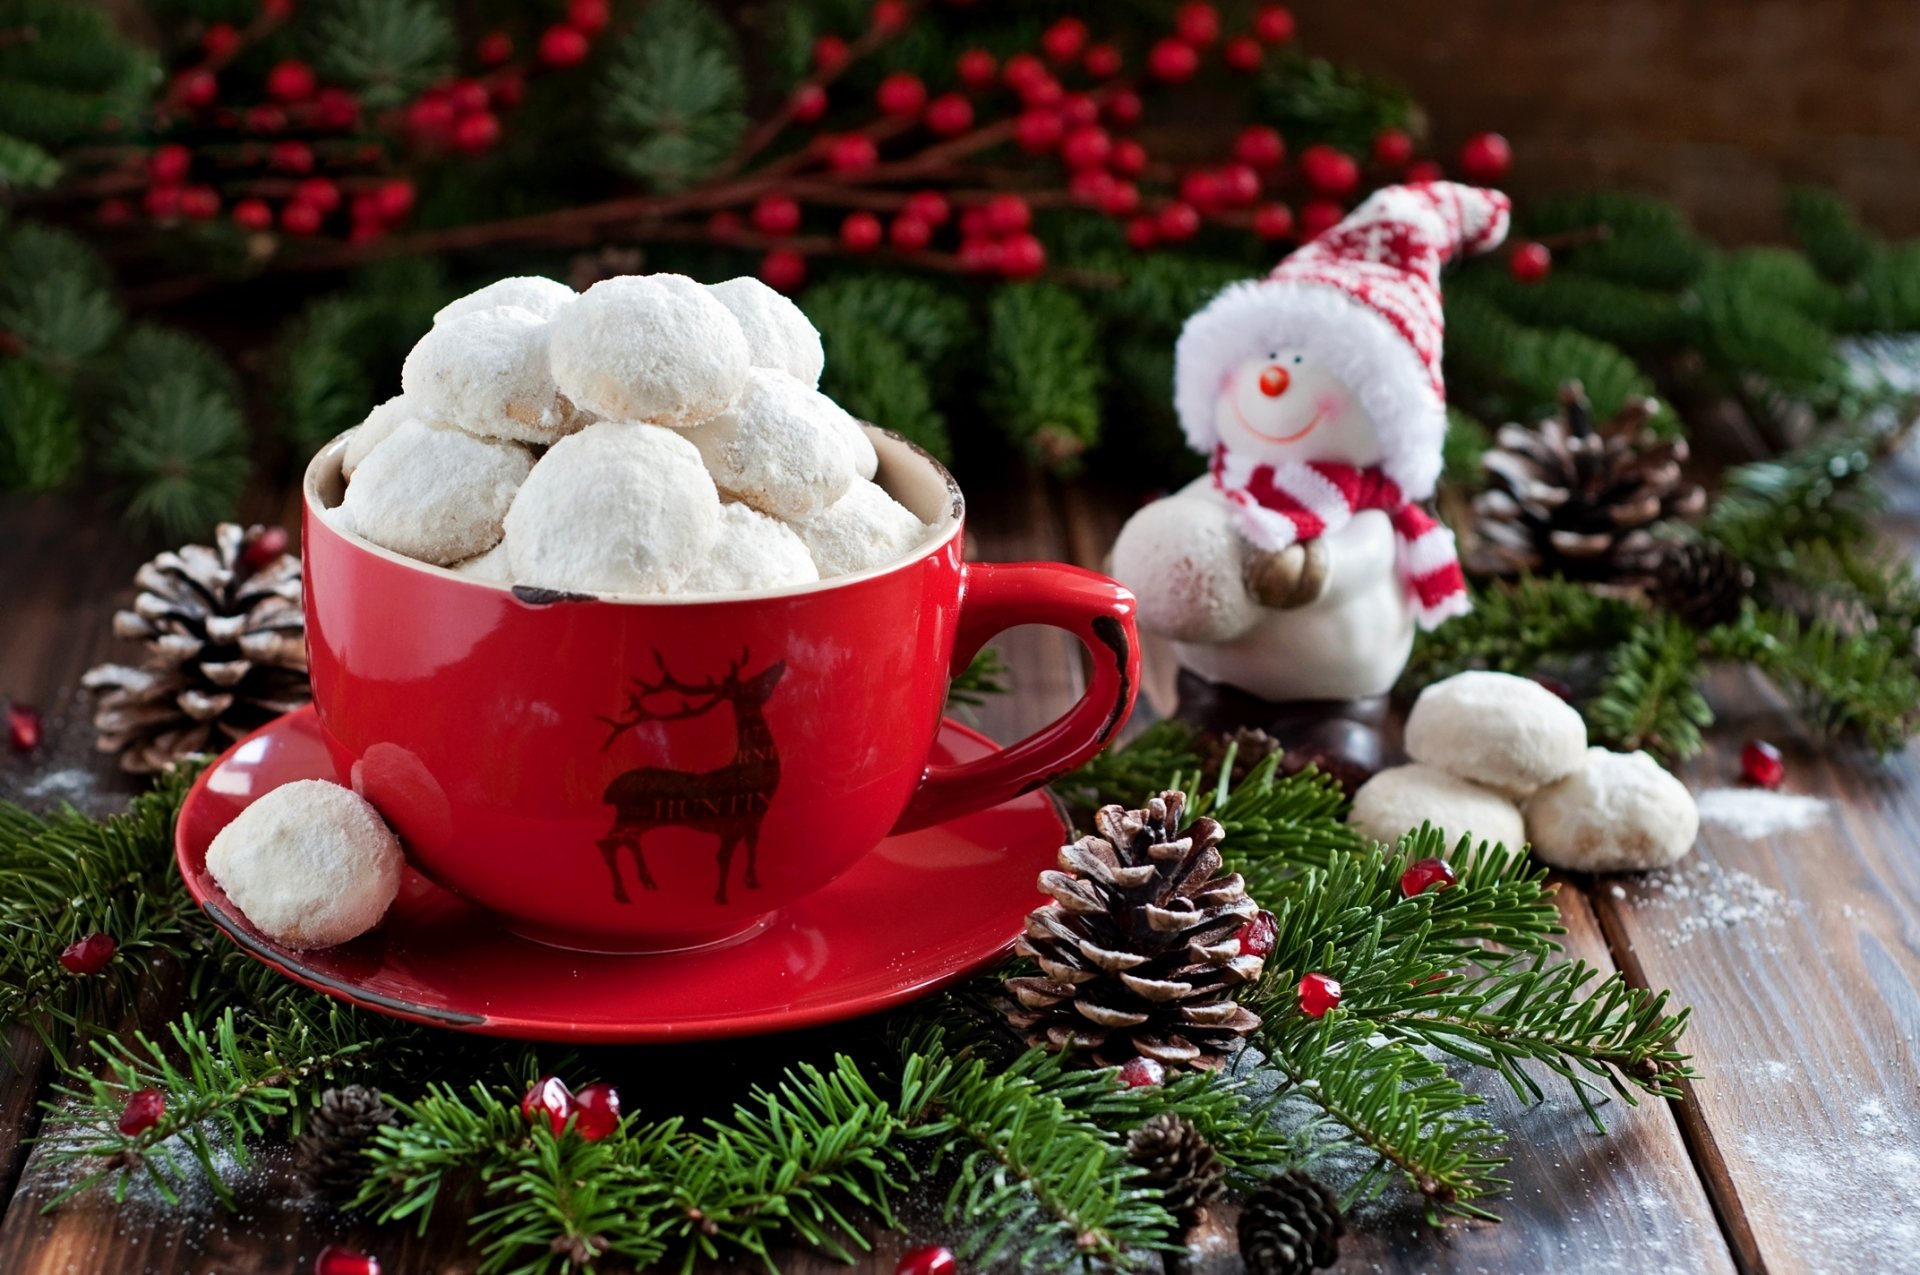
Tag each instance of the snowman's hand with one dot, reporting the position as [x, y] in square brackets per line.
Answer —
[1291, 577]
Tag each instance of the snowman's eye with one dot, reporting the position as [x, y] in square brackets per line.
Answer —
[1296, 358]
[1273, 356]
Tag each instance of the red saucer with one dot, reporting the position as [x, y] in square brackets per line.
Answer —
[857, 946]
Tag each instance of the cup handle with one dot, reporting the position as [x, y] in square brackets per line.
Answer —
[996, 596]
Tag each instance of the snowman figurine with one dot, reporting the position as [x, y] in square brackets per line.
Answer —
[1291, 576]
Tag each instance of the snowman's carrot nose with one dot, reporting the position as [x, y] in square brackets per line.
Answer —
[1274, 380]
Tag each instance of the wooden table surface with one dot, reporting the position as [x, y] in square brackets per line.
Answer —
[1799, 950]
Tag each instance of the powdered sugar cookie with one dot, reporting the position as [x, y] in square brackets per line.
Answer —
[434, 494]
[368, 434]
[490, 567]
[753, 552]
[779, 334]
[1619, 812]
[1507, 733]
[866, 461]
[864, 528]
[1398, 800]
[618, 508]
[778, 448]
[486, 373]
[657, 348]
[530, 292]
[310, 864]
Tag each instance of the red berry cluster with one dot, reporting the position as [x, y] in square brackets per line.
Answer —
[594, 1111]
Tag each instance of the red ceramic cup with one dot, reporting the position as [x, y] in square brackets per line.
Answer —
[645, 775]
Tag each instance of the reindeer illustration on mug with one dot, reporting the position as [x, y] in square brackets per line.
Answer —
[729, 801]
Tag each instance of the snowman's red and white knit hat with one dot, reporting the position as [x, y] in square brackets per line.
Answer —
[1364, 298]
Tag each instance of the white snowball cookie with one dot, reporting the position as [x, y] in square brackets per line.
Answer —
[437, 495]
[544, 297]
[779, 334]
[778, 448]
[1620, 812]
[491, 567]
[486, 372]
[373, 431]
[1503, 732]
[619, 508]
[753, 552]
[656, 348]
[1399, 799]
[310, 864]
[864, 528]
[1182, 558]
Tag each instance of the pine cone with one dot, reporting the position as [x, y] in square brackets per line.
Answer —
[1254, 747]
[1290, 1226]
[1566, 499]
[1140, 952]
[1179, 1163]
[1697, 580]
[330, 1156]
[226, 650]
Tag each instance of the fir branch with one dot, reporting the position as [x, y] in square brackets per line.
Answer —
[1515, 626]
[672, 104]
[565, 1201]
[985, 676]
[1157, 758]
[1044, 372]
[386, 49]
[40, 442]
[1649, 697]
[1863, 683]
[179, 453]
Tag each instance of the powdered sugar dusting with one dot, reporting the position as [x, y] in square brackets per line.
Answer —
[1850, 1186]
[1712, 898]
[1752, 813]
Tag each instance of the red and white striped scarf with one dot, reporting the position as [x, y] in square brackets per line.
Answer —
[1282, 504]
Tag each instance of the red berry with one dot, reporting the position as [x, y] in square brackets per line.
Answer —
[901, 93]
[278, 10]
[495, 47]
[1142, 233]
[596, 1111]
[909, 233]
[335, 1260]
[562, 46]
[335, 108]
[1485, 157]
[1064, 39]
[220, 40]
[291, 81]
[1079, 108]
[783, 270]
[980, 256]
[395, 198]
[1043, 90]
[776, 215]
[196, 88]
[829, 53]
[809, 103]
[1090, 186]
[143, 1111]
[199, 202]
[169, 163]
[890, 15]
[291, 156]
[1121, 199]
[430, 117]
[1762, 764]
[1022, 71]
[1197, 23]
[934, 1259]
[1200, 188]
[950, 113]
[1318, 994]
[508, 88]
[1239, 185]
[1038, 131]
[161, 202]
[852, 152]
[1425, 170]
[88, 955]
[1425, 874]
[1256, 936]
[1086, 147]
[1127, 158]
[1172, 60]
[265, 118]
[725, 224]
[1177, 221]
[1392, 149]
[860, 232]
[252, 214]
[1243, 54]
[1124, 109]
[1329, 171]
[1008, 214]
[264, 548]
[1317, 216]
[1273, 221]
[548, 1100]
[588, 16]
[929, 206]
[1137, 1073]
[978, 68]
[467, 95]
[114, 212]
[1273, 24]
[1260, 146]
[300, 219]
[1531, 262]
[476, 132]
[1102, 61]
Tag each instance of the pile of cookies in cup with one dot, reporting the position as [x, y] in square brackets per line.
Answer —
[649, 437]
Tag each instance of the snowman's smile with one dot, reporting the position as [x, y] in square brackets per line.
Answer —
[1321, 412]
